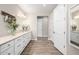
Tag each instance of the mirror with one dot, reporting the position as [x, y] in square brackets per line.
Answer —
[10, 21]
[74, 33]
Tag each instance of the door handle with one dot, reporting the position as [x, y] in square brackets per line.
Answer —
[64, 32]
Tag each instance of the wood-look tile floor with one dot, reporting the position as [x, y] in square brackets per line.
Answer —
[41, 47]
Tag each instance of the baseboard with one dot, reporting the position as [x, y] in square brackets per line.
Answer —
[34, 39]
[50, 39]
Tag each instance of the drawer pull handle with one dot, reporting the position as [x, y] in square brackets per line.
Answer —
[8, 44]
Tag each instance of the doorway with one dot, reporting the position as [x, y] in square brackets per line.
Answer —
[42, 27]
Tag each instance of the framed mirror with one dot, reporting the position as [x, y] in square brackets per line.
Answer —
[10, 21]
[74, 24]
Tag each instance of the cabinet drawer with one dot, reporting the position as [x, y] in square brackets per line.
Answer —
[18, 48]
[9, 51]
[18, 40]
[24, 42]
[74, 36]
[7, 45]
[27, 35]
[18, 51]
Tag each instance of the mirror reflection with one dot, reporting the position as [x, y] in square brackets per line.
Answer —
[75, 27]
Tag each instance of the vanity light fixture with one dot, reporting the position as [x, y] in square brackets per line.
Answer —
[21, 15]
[76, 17]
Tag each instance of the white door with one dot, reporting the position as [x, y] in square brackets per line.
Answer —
[59, 28]
[39, 27]
[45, 27]
[42, 26]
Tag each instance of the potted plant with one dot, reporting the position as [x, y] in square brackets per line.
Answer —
[12, 26]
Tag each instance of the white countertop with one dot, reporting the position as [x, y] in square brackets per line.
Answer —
[5, 39]
[75, 31]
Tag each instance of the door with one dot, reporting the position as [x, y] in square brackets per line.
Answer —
[45, 27]
[59, 28]
[39, 27]
[42, 26]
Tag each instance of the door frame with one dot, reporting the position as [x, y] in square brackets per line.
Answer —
[47, 25]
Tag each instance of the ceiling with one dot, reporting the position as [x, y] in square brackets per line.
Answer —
[37, 8]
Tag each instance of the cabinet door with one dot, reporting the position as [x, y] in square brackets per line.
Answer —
[21, 42]
[9, 51]
[59, 28]
[27, 37]
[6, 45]
[18, 45]
[18, 48]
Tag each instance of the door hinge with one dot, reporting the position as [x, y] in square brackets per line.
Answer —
[64, 46]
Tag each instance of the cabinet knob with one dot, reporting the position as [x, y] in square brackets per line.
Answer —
[8, 44]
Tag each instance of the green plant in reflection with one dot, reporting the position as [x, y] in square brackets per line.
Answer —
[12, 25]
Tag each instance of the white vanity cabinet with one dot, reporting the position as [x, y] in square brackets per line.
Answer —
[7, 48]
[16, 45]
[75, 38]
[9, 51]
[21, 42]
[27, 38]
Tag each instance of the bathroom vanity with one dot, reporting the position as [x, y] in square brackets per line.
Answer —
[14, 45]
[75, 38]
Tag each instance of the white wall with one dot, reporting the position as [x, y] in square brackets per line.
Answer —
[11, 9]
[50, 26]
[3, 27]
[32, 21]
[14, 10]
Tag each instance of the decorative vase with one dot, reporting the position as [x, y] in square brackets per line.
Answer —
[74, 28]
